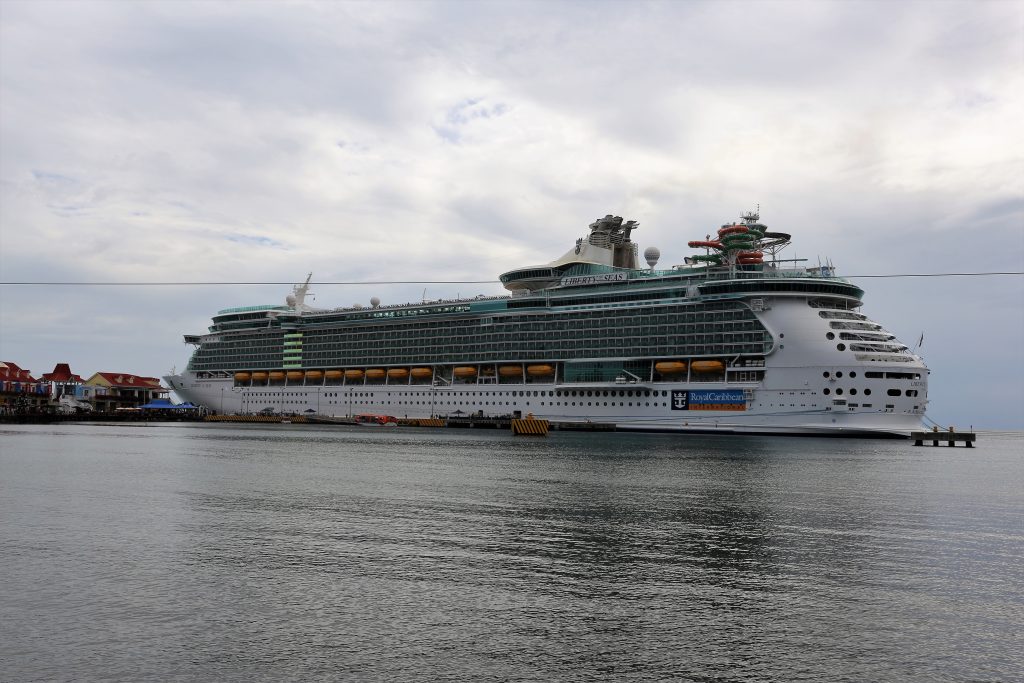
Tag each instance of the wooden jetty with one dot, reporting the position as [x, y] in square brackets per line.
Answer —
[950, 438]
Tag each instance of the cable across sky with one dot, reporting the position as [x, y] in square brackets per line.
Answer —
[27, 283]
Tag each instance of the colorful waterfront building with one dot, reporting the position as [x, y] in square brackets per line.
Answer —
[19, 390]
[115, 390]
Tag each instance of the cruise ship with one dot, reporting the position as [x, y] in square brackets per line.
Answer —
[737, 339]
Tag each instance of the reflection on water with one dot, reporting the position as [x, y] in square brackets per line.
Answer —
[220, 552]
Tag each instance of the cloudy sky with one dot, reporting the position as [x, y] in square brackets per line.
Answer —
[420, 141]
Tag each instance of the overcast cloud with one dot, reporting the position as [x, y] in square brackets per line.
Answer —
[205, 141]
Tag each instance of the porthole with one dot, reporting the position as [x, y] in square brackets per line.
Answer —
[839, 392]
[853, 374]
[825, 374]
[841, 347]
[853, 392]
[826, 391]
[839, 374]
[830, 336]
[894, 392]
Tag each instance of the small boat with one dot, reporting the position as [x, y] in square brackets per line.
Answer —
[707, 366]
[277, 375]
[422, 373]
[670, 367]
[540, 370]
[397, 373]
[370, 420]
[242, 376]
[314, 375]
[510, 371]
[375, 373]
[334, 374]
[353, 374]
[259, 377]
[295, 375]
[465, 371]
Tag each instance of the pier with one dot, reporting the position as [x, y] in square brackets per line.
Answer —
[950, 438]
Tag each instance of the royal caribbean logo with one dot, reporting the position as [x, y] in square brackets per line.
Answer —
[727, 399]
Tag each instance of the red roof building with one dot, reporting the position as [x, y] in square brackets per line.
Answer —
[62, 373]
[124, 390]
[19, 390]
[10, 372]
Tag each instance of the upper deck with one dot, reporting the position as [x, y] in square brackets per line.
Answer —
[602, 269]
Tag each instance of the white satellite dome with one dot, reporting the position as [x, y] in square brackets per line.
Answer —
[375, 301]
[652, 254]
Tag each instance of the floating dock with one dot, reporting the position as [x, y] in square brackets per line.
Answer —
[949, 438]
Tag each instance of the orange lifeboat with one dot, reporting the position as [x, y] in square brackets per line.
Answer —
[242, 376]
[540, 370]
[670, 367]
[464, 371]
[259, 377]
[510, 371]
[295, 375]
[353, 374]
[422, 373]
[314, 375]
[397, 373]
[276, 375]
[375, 373]
[333, 374]
[707, 366]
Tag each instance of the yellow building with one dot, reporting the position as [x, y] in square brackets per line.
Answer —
[122, 390]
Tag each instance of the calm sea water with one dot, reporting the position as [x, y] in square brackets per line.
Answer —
[220, 552]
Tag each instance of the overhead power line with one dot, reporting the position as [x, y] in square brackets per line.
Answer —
[27, 283]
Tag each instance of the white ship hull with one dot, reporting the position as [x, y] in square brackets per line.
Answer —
[819, 399]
